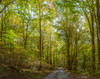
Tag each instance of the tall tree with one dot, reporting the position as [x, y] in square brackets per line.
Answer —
[40, 35]
[98, 28]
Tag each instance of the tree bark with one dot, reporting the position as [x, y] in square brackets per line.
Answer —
[76, 60]
[50, 52]
[2, 27]
[40, 36]
[98, 29]
[47, 55]
[93, 41]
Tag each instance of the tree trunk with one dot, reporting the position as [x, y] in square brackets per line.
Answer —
[1, 26]
[40, 36]
[47, 55]
[68, 56]
[91, 27]
[50, 52]
[98, 29]
[76, 60]
[93, 41]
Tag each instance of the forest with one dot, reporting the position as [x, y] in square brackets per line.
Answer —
[40, 36]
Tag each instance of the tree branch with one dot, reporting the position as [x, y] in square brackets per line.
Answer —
[6, 6]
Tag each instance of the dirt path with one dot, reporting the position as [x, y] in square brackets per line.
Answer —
[58, 74]
[61, 74]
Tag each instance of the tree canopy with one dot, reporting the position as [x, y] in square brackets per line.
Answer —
[50, 34]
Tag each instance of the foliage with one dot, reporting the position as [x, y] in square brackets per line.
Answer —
[40, 34]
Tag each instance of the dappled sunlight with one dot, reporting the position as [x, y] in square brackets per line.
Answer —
[49, 39]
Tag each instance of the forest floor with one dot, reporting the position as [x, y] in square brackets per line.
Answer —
[43, 74]
[80, 76]
[27, 75]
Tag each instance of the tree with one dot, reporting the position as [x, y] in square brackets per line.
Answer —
[98, 28]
